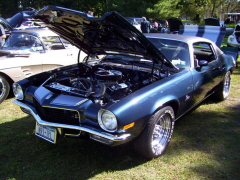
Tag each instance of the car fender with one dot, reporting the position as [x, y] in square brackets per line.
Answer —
[141, 105]
[12, 74]
[140, 123]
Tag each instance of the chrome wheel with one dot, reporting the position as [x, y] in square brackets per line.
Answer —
[223, 89]
[154, 139]
[226, 85]
[4, 89]
[161, 134]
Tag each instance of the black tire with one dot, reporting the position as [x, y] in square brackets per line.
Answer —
[223, 88]
[4, 89]
[154, 139]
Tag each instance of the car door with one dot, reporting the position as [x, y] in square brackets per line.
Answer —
[32, 63]
[205, 78]
[58, 52]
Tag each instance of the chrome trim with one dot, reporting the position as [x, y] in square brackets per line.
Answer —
[3, 89]
[81, 128]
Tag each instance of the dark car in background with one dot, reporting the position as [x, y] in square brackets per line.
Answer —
[134, 93]
[173, 25]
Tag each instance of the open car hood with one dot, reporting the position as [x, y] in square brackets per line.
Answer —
[7, 27]
[16, 20]
[109, 34]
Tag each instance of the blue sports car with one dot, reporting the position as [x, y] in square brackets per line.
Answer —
[131, 87]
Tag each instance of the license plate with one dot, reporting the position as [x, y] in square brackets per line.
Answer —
[46, 132]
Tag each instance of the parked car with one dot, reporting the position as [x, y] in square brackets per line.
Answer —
[211, 21]
[17, 20]
[29, 52]
[136, 22]
[29, 25]
[173, 25]
[133, 94]
[234, 39]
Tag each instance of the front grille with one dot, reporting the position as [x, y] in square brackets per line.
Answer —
[55, 115]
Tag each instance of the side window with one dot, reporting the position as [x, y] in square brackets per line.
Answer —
[203, 51]
[53, 43]
[37, 46]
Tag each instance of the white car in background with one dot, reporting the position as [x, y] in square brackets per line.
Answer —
[30, 52]
[234, 39]
[136, 22]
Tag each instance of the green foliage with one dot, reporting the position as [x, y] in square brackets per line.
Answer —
[131, 8]
[164, 9]
[155, 9]
[231, 25]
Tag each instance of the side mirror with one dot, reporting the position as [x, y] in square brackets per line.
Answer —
[202, 63]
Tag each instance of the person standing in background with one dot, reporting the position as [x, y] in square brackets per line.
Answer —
[145, 25]
[2, 36]
[90, 13]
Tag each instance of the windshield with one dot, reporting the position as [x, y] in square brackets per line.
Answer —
[19, 42]
[175, 51]
[34, 44]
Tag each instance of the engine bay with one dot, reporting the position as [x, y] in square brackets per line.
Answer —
[102, 83]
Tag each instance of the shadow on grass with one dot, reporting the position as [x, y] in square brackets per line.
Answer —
[25, 156]
[216, 135]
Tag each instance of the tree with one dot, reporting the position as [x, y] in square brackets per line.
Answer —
[164, 9]
[155, 9]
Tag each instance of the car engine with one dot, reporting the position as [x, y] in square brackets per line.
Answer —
[101, 83]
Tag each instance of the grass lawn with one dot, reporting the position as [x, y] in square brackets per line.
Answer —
[205, 145]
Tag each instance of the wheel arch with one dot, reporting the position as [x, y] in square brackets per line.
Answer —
[172, 102]
[6, 77]
[9, 80]
[223, 75]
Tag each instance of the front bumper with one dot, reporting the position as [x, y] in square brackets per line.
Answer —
[96, 135]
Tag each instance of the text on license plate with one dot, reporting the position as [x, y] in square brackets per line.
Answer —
[46, 132]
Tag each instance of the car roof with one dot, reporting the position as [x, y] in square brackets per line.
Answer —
[179, 37]
[184, 38]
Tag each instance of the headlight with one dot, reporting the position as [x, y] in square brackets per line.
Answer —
[18, 92]
[107, 120]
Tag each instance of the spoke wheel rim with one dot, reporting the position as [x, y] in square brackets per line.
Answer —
[226, 85]
[2, 88]
[161, 134]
